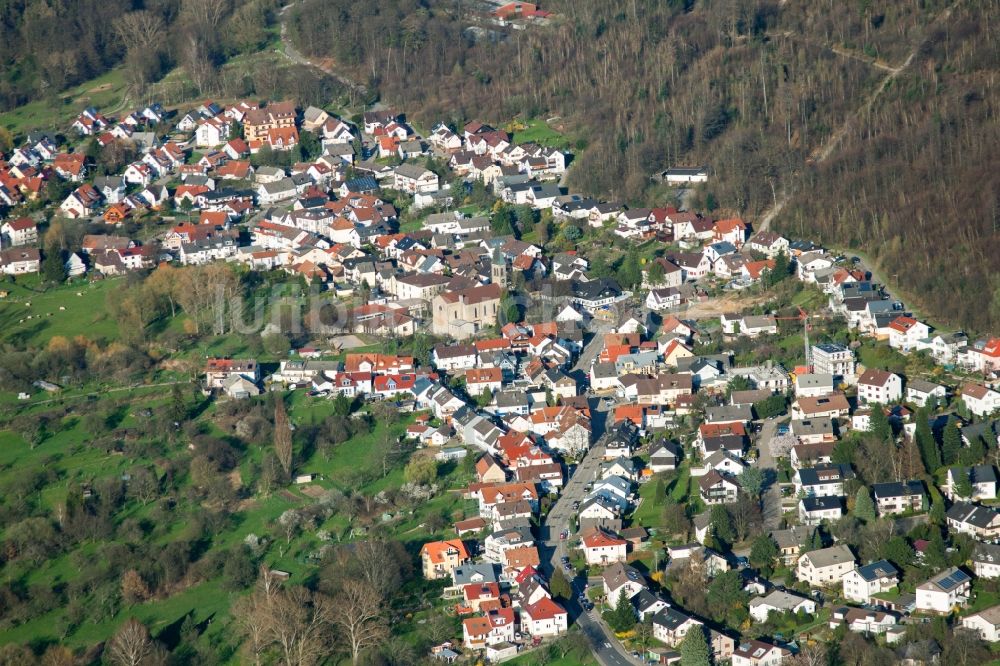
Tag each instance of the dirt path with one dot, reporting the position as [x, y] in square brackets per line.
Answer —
[822, 152]
[291, 53]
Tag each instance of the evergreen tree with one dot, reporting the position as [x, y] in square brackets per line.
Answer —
[178, 405]
[898, 551]
[844, 450]
[726, 598]
[929, 451]
[54, 266]
[752, 482]
[694, 648]
[864, 506]
[511, 310]
[878, 424]
[951, 442]
[763, 554]
[630, 272]
[502, 223]
[972, 454]
[816, 541]
[559, 586]
[963, 484]
[655, 273]
[937, 513]
[722, 525]
[781, 270]
[622, 618]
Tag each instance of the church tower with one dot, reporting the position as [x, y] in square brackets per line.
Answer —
[498, 268]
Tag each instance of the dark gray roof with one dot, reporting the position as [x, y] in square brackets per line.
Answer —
[826, 473]
[973, 514]
[876, 570]
[820, 503]
[898, 489]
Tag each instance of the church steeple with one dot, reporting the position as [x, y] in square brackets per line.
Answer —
[498, 268]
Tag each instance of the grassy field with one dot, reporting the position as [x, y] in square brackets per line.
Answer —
[538, 131]
[83, 312]
[106, 93]
[68, 454]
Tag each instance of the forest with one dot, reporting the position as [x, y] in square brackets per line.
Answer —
[148, 38]
[753, 88]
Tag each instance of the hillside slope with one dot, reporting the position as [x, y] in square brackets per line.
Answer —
[750, 87]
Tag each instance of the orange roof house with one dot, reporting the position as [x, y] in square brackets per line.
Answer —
[116, 213]
[439, 558]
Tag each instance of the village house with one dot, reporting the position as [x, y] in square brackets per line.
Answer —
[670, 626]
[759, 653]
[863, 621]
[440, 558]
[20, 260]
[219, 370]
[258, 122]
[825, 567]
[986, 560]
[496, 627]
[814, 510]
[920, 392]
[790, 542]
[944, 591]
[663, 456]
[979, 522]
[822, 480]
[827, 407]
[22, 231]
[779, 602]
[411, 179]
[813, 385]
[985, 623]
[715, 488]
[809, 455]
[899, 497]
[981, 400]
[544, 618]
[835, 360]
[982, 477]
[880, 387]
[601, 548]
[864, 581]
[621, 577]
[906, 332]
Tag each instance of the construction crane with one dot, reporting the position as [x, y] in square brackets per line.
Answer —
[804, 316]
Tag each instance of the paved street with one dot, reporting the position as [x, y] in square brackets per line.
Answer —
[766, 462]
[602, 642]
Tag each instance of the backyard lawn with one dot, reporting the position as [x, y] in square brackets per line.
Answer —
[538, 131]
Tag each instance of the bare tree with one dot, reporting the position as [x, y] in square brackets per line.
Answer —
[134, 588]
[357, 613]
[813, 654]
[299, 624]
[131, 645]
[250, 613]
[140, 31]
